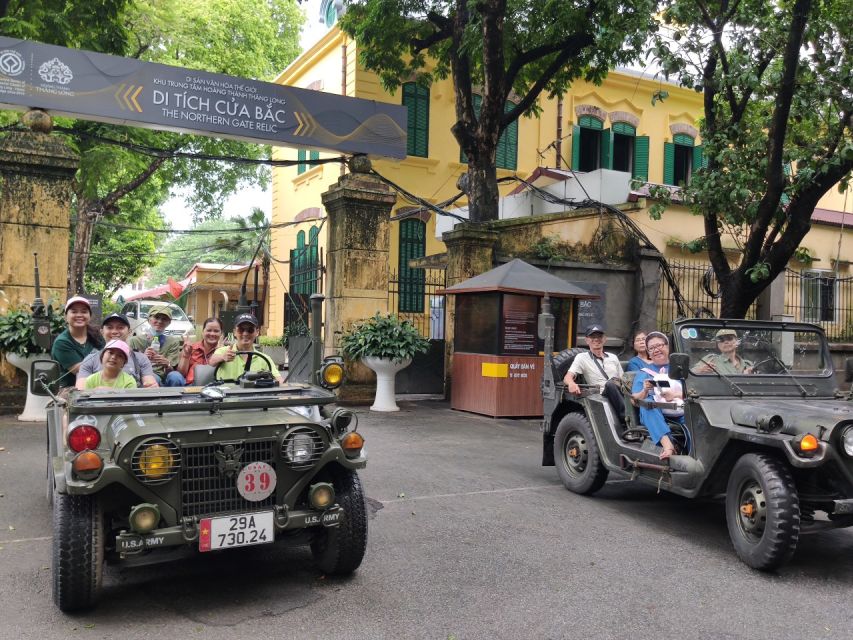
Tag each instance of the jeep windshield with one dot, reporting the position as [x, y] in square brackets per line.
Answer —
[733, 351]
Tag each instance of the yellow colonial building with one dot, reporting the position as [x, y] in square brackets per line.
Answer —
[610, 134]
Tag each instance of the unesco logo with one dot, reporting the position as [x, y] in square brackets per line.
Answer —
[11, 62]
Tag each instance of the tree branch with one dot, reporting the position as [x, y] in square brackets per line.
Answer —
[117, 194]
[443, 31]
[716, 32]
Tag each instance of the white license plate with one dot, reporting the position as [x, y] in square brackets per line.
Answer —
[241, 530]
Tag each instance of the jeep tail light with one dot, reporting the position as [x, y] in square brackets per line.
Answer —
[806, 444]
[87, 465]
[84, 437]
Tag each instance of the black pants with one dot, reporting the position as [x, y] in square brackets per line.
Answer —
[613, 393]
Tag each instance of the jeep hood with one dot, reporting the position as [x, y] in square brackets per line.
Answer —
[796, 416]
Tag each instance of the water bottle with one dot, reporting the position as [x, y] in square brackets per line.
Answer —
[155, 343]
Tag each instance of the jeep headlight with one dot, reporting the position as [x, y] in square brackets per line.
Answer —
[156, 461]
[332, 372]
[847, 440]
[301, 448]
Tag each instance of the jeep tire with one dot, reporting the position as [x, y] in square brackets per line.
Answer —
[577, 456]
[78, 551]
[762, 511]
[339, 550]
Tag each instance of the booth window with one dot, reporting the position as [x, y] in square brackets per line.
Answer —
[416, 101]
[412, 281]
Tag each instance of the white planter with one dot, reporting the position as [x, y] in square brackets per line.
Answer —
[386, 373]
[34, 409]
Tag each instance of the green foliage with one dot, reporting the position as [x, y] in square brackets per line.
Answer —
[550, 248]
[803, 254]
[776, 130]
[271, 341]
[383, 337]
[295, 329]
[17, 335]
[497, 47]
[181, 252]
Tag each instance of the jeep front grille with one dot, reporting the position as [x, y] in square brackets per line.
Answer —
[209, 483]
[301, 448]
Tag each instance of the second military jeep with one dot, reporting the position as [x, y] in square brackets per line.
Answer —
[145, 475]
[775, 439]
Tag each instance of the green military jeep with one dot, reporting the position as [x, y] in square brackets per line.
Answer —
[775, 439]
[145, 475]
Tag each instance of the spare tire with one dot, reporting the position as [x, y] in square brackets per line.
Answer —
[561, 362]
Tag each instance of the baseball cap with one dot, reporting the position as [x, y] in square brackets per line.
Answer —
[722, 333]
[116, 316]
[74, 299]
[119, 345]
[164, 311]
[594, 328]
[245, 317]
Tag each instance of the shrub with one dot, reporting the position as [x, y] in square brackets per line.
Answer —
[17, 335]
[383, 337]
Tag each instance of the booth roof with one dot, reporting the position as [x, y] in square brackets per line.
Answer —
[519, 277]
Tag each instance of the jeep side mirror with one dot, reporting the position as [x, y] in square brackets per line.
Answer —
[44, 378]
[679, 366]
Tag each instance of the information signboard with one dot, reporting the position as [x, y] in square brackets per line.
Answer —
[95, 86]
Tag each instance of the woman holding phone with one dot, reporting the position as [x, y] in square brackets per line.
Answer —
[201, 352]
[652, 384]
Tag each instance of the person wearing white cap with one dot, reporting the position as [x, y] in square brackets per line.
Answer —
[76, 341]
[113, 358]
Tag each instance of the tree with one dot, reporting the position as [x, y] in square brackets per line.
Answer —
[495, 48]
[778, 124]
[248, 38]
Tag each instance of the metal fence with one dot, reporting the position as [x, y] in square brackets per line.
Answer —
[306, 277]
[820, 297]
[811, 295]
[413, 297]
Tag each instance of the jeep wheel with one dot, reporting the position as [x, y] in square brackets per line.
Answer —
[339, 550]
[78, 551]
[762, 511]
[577, 456]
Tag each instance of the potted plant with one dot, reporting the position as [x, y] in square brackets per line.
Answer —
[385, 344]
[18, 343]
[274, 347]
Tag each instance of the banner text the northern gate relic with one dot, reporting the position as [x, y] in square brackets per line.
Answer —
[95, 86]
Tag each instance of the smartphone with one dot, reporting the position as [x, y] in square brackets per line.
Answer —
[663, 384]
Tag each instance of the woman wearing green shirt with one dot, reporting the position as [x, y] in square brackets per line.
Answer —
[113, 358]
[76, 341]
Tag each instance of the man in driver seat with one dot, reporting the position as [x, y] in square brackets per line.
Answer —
[234, 364]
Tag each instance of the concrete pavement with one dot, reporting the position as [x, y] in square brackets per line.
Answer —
[469, 538]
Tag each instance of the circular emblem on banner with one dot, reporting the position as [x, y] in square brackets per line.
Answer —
[11, 62]
[256, 481]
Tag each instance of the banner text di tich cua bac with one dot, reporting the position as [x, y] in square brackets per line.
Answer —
[184, 105]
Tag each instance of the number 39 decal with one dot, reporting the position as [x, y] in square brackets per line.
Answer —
[256, 481]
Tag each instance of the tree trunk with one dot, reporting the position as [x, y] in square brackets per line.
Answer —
[482, 192]
[79, 258]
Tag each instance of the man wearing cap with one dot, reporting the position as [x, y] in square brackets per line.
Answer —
[599, 368]
[77, 341]
[116, 326]
[727, 362]
[232, 366]
[165, 356]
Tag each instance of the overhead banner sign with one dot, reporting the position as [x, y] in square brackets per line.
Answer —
[95, 86]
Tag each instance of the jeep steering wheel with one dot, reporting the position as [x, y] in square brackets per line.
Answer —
[246, 366]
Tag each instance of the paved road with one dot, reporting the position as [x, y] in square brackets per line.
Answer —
[469, 538]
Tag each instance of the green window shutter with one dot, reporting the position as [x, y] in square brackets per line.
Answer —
[641, 158]
[682, 138]
[412, 281]
[576, 147]
[624, 129]
[668, 163]
[416, 101]
[300, 157]
[507, 151]
[314, 155]
[591, 122]
[606, 149]
[699, 161]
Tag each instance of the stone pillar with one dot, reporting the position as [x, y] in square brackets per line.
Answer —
[771, 301]
[647, 288]
[470, 252]
[359, 207]
[36, 174]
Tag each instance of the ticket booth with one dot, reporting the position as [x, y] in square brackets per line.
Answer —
[497, 354]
